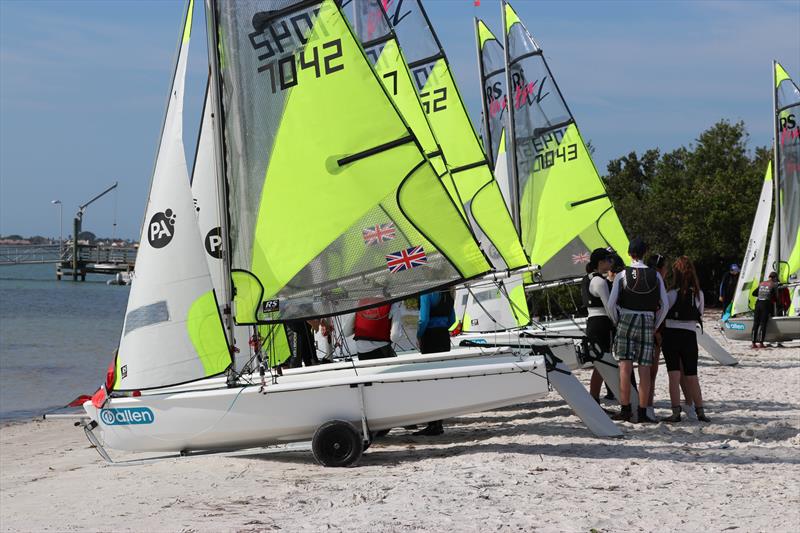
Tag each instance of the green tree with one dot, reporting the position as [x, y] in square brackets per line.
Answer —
[697, 200]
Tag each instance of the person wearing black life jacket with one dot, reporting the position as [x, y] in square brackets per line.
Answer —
[634, 304]
[599, 328]
[436, 315]
[766, 295]
[374, 329]
[686, 305]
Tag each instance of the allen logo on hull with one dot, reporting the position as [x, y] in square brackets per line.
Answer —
[127, 416]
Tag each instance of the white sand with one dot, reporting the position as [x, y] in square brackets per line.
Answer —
[532, 467]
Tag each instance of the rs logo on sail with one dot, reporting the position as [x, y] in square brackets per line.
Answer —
[127, 416]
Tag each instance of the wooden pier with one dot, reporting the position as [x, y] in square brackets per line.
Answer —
[73, 261]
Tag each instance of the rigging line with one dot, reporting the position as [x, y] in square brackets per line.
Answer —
[477, 301]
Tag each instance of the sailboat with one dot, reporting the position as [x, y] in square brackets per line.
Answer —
[779, 201]
[309, 151]
[563, 211]
[539, 115]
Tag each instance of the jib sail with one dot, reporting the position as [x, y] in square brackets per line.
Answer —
[172, 331]
[564, 209]
[750, 276]
[333, 204]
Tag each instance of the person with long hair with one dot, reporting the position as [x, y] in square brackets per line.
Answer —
[685, 304]
[657, 262]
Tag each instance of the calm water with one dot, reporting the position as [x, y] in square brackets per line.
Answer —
[56, 337]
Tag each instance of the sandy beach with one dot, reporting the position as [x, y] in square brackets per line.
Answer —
[532, 467]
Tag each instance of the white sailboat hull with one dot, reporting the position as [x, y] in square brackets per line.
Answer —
[207, 415]
[779, 328]
[564, 349]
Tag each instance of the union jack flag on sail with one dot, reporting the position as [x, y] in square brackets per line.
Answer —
[406, 259]
[582, 257]
[379, 234]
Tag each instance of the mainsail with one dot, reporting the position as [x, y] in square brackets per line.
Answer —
[173, 331]
[491, 66]
[474, 185]
[564, 209]
[787, 161]
[750, 275]
[333, 205]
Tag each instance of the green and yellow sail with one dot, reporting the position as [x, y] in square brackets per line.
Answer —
[334, 204]
[564, 209]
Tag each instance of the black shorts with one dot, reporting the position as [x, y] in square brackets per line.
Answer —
[599, 331]
[435, 340]
[680, 348]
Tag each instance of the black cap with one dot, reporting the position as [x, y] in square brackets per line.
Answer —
[637, 247]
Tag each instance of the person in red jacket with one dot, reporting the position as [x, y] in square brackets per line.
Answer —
[373, 330]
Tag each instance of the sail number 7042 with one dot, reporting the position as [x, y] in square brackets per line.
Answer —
[323, 59]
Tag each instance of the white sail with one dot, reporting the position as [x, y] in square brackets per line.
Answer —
[206, 204]
[204, 192]
[772, 256]
[753, 260]
[492, 306]
[173, 331]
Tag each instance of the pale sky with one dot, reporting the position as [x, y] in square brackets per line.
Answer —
[83, 86]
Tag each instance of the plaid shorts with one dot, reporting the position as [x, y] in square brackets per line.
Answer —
[634, 340]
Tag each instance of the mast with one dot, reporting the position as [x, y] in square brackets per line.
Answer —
[776, 173]
[226, 289]
[487, 134]
[510, 137]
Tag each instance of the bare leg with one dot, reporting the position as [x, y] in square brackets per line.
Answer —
[685, 388]
[595, 384]
[693, 384]
[653, 373]
[644, 384]
[625, 368]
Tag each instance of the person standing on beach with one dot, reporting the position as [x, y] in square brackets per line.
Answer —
[659, 263]
[728, 286]
[766, 296]
[436, 315]
[686, 305]
[301, 344]
[374, 329]
[599, 328]
[634, 304]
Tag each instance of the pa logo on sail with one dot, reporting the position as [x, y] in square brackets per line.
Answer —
[161, 229]
[127, 416]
